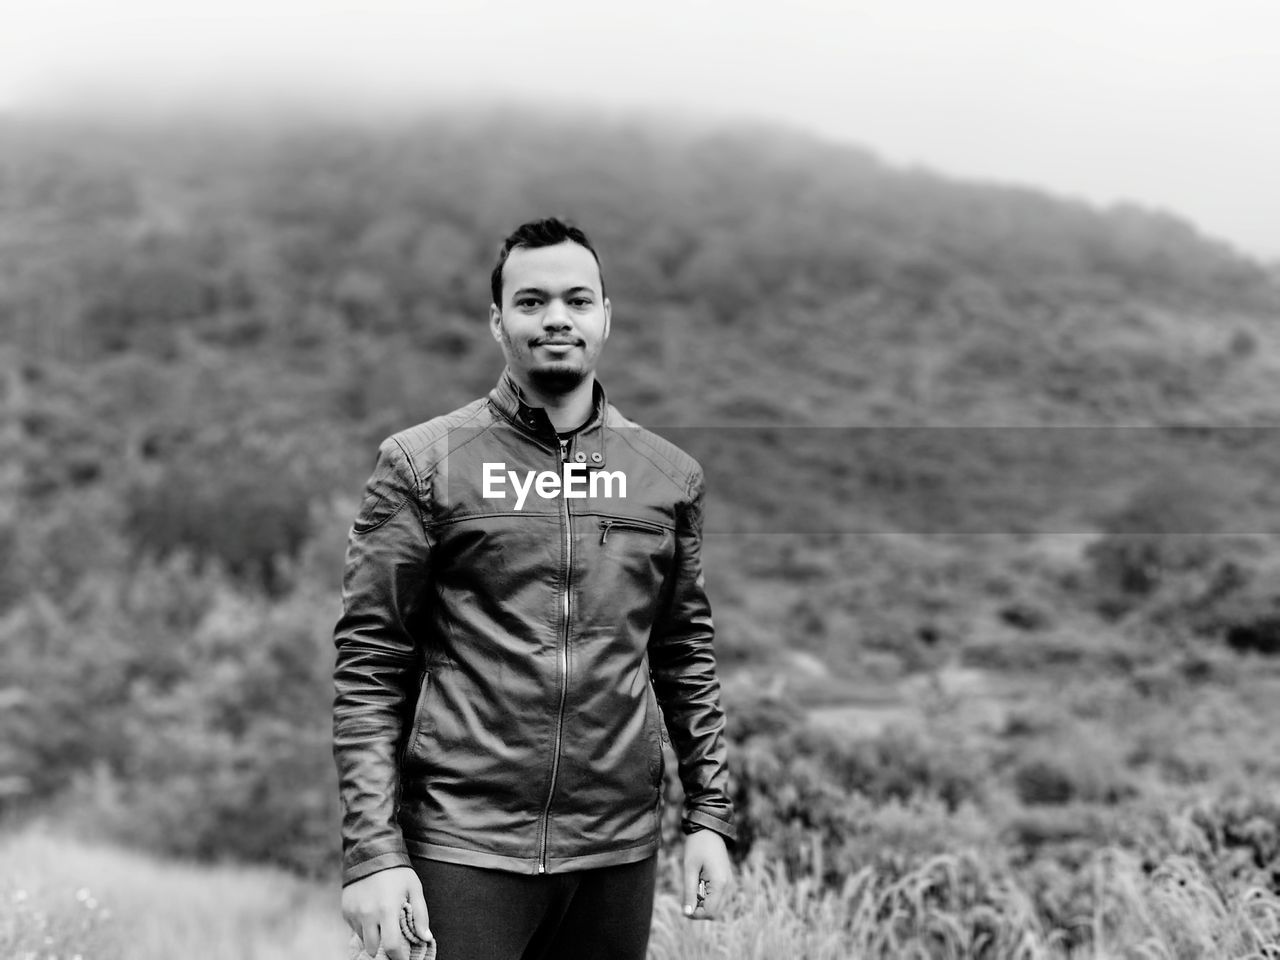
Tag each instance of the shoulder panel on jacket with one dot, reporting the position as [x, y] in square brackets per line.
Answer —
[659, 451]
[422, 442]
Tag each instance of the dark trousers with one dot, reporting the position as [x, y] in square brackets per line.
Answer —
[481, 914]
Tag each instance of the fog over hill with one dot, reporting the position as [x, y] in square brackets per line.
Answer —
[874, 293]
[194, 288]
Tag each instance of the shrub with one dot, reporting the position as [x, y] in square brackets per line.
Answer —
[822, 804]
[1071, 769]
[1248, 619]
[1041, 781]
[247, 515]
[899, 764]
[180, 713]
[1163, 534]
[1236, 837]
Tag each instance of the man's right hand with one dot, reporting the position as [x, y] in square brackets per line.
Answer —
[371, 906]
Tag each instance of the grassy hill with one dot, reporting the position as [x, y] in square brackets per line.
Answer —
[991, 478]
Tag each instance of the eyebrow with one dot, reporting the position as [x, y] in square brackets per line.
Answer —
[539, 290]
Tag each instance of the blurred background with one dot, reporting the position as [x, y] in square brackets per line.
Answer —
[969, 312]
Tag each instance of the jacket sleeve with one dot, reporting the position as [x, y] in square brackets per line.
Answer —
[376, 666]
[683, 666]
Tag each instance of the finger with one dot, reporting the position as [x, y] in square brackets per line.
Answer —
[720, 879]
[369, 934]
[419, 919]
[353, 923]
[408, 928]
[393, 941]
[691, 871]
[709, 896]
[406, 925]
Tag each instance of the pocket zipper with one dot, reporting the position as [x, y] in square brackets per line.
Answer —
[607, 525]
[419, 717]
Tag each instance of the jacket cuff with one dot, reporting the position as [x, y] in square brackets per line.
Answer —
[695, 819]
[383, 861]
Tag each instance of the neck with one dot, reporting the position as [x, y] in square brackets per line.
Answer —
[565, 410]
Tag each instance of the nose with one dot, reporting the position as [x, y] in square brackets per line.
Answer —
[556, 316]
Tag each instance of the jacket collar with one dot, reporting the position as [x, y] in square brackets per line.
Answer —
[587, 444]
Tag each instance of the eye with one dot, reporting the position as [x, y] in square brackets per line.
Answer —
[526, 302]
[581, 301]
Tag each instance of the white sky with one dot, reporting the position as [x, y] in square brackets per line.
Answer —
[1171, 104]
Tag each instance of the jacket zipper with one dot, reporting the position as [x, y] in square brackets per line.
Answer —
[564, 672]
[607, 525]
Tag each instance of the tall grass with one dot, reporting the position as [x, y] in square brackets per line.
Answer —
[62, 899]
[957, 907]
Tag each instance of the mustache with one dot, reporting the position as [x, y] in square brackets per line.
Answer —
[553, 341]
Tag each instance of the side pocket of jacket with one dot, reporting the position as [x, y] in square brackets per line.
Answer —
[657, 735]
[412, 747]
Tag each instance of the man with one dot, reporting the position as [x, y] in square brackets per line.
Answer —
[524, 624]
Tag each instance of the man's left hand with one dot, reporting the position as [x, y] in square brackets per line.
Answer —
[708, 872]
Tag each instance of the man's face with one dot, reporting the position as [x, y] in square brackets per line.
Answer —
[553, 318]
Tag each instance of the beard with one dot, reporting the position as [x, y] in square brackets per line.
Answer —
[553, 378]
[557, 379]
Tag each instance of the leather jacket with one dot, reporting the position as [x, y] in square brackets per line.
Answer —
[507, 671]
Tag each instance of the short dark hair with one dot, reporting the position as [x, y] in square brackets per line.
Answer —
[539, 233]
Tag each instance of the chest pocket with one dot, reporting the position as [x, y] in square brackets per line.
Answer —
[626, 561]
[623, 526]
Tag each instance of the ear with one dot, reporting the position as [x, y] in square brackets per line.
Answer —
[608, 316]
[495, 322]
